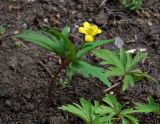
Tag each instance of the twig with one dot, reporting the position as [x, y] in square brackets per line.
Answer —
[112, 87]
[47, 69]
[6, 35]
[102, 3]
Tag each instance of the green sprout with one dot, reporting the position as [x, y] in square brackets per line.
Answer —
[86, 111]
[122, 64]
[110, 113]
[151, 106]
[71, 56]
[131, 4]
[2, 30]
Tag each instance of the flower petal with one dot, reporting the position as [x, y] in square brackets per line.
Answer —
[94, 29]
[99, 31]
[86, 25]
[82, 30]
[89, 38]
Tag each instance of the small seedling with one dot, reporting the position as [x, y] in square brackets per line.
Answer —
[2, 30]
[151, 106]
[123, 64]
[131, 4]
[59, 43]
[110, 113]
[18, 44]
[86, 111]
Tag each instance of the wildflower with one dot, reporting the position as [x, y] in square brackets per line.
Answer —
[90, 31]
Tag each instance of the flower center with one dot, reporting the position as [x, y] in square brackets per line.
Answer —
[90, 31]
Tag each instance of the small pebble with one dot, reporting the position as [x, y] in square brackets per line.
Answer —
[119, 42]
[29, 1]
[16, 32]
[45, 20]
[8, 103]
[24, 26]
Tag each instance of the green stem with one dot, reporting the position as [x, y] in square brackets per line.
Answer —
[80, 46]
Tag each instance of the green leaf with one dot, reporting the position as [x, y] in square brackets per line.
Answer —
[121, 64]
[123, 57]
[139, 74]
[132, 119]
[2, 30]
[112, 101]
[127, 111]
[57, 41]
[128, 80]
[129, 62]
[114, 71]
[70, 52]
[102, 110]
[90, 46]
[109, 57]
[88, 70]
[147, 108]
[39, 39]
[132, 4]
[86, 111]
[62, 43]
[65, 31]
[79, 110]
[139, 56]
[125, 121]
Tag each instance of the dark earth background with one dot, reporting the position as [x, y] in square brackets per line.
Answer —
[24, 82]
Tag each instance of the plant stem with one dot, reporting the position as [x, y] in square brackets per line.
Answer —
[53, 83]
[80, 46]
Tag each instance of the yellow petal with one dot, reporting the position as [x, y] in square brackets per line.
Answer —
[94, 29]
[82, 30]
[89, 38]
[99, 31]
[86, 25]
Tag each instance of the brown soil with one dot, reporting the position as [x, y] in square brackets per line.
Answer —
[24, 82]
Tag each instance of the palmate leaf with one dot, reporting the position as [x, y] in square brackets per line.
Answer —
[122, 64]
[90, 46]
[127, 111]
[138, 74]
[114, 71]
[151, 106]
[123, 57]
[127, 117]
[83, 111]
[125, 121]
[103, 110]
[128, 80]
[131, 119]
[112, 102]
[86, 111]
[139, 56]
[114, 109]
[87, 70]
[109, 57]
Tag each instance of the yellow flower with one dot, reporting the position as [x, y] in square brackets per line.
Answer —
[90, 31]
